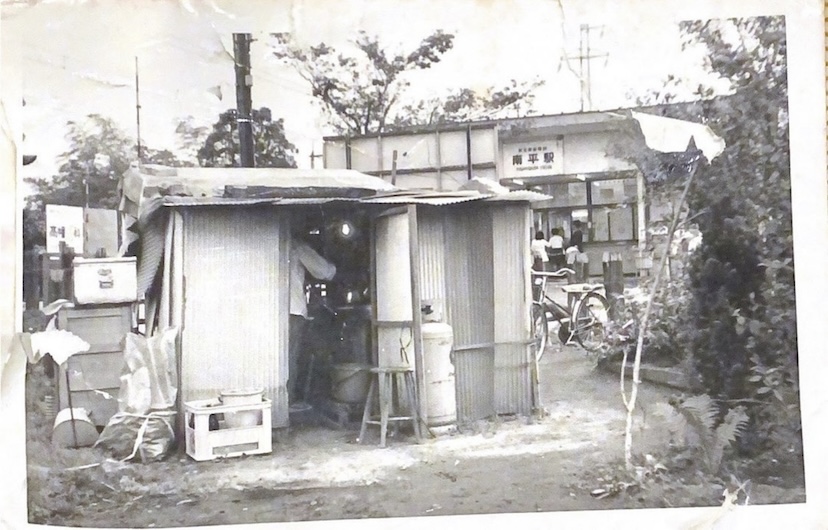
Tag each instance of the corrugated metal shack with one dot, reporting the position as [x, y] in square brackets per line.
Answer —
[214, 261]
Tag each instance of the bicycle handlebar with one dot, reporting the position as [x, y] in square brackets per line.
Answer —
[560, 273]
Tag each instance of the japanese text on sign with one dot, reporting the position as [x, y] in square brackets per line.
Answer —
[532, 156]
[64, 224]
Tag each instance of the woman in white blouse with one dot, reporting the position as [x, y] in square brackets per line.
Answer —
[539, 255]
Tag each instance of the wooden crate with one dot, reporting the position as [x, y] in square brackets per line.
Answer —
[95, 375]
[225, 441]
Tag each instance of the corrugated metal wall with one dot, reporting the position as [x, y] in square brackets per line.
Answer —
[469, 279]
[235, 307]
[475, 260]
[432, 255]
[513, 376]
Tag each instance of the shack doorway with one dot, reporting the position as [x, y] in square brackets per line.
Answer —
[329, 377]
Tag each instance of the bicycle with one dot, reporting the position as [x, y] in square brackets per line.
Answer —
[589, 312]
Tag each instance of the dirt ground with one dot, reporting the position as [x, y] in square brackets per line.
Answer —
[551, 463]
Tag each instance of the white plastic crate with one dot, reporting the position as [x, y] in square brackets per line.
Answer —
[105, 280]
[226, 441]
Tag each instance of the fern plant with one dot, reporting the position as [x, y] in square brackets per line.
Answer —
[700, 414]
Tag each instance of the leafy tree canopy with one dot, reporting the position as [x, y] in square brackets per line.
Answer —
[742, 277]
[220, 146]
[363, 93]
[467, 105]
[88, 174]
[739, 318]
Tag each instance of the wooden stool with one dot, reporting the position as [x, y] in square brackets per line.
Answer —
[390, 380]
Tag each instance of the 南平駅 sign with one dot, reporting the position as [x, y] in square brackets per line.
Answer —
[64, 223]
[533, 159]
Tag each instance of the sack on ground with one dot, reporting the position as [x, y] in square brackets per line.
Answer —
[148, 437]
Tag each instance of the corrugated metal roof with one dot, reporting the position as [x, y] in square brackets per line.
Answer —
[200, 180]
[316, 200]
[411, 197]
[229, 201]
[519, 196]
[214, 201]
[453, 197]
[150, 186]
[424, 198]
[241, 186]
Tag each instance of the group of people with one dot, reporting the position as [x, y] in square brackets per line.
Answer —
[550, 255]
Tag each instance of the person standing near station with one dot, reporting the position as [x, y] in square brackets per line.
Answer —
[540, 257]
[540, 261]
[556, 250]
[303, 260]
[577, 237]
[575, 255]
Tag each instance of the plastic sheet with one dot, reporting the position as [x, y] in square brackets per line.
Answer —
[149, 373]
[143, 427]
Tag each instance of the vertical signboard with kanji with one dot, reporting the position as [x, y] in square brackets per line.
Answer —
[64, 223]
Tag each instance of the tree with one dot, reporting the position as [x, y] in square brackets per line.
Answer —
[162, 157]
[467, 105]
[191, 138]
[364, 93]
[99, 153]
[742, 277]
[221, 144]
[88, 174]
[743, 272]
[740, 318]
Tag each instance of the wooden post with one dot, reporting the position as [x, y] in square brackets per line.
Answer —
[614, 283]
[67, 256]
[31, 279]
[62, 265]
[417, 315]
[45, 278]
[582, 269]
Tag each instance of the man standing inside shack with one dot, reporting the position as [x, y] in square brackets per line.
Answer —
[303, 259]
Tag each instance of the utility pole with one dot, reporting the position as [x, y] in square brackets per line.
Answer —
[313, 157]
[244, 80]
[585, 57]
[137, 111]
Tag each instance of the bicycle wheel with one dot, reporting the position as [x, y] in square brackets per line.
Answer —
[540, 329]
[591, 314]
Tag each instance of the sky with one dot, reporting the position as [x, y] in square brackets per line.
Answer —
[79, 57]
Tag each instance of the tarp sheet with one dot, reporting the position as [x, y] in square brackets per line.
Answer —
[669, 135]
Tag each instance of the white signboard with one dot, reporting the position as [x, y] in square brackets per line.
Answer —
[533, 158]
[64, 223]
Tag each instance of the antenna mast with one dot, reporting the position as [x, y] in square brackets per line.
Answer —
[585, 57]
